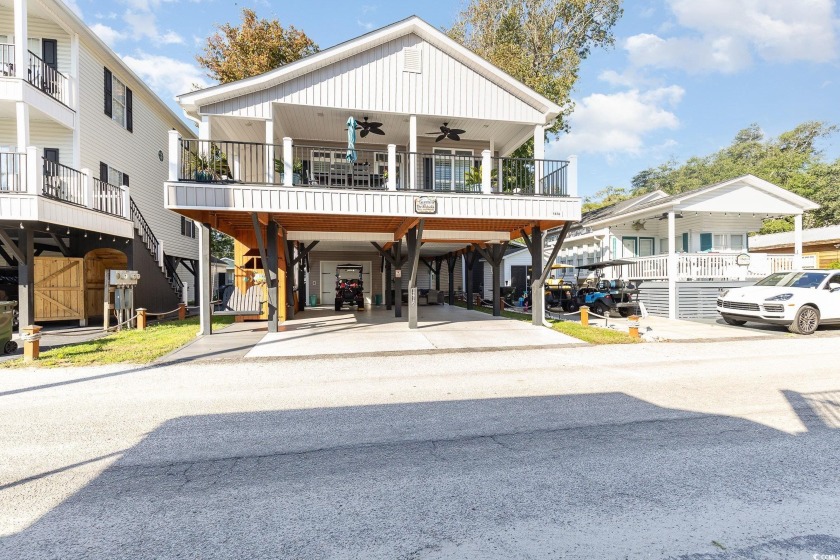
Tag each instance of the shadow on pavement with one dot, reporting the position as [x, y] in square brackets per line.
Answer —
[514, 477]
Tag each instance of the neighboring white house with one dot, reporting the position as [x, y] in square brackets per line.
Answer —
[684, 248]
[83, 153]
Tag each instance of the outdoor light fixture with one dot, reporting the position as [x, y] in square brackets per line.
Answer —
[68, 231]
[85, 234]
[48, 227]
[100, 237]
[21, 225]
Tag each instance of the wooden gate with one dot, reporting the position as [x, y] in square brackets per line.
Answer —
[96, 263]
[59, 289]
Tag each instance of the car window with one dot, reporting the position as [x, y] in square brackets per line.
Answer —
[794, 279]
[833, 280]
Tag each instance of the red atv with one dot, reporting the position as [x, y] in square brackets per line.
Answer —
[349, 287]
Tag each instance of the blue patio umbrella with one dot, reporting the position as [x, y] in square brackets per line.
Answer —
[351, 140]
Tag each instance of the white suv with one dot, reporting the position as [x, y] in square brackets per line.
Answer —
[801, 300]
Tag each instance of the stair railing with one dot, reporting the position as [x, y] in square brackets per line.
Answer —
[146, 232]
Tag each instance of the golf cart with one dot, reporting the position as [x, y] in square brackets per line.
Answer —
[604, 295]
[349, 286]
[560, 287]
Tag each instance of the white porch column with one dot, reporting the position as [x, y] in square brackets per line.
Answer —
[486, 164]
[204, 133]
[34, 171]
[412, 148]
[174, 154]
[539, 155]
[797, 241]
[672, 266]
[288, 162]
[392, 167]
[269, 153]
[21, 43]
[205, 283]
[126, 202]
[572, 176]
[87, 192]
[22, 121]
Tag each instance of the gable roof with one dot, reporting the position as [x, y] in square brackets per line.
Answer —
[665, 203]
[412, 25]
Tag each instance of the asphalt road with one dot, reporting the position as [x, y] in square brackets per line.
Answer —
[696, 451]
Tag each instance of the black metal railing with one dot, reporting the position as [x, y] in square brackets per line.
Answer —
[12, 172]
[7, 59]
[441, 172]
[248, 162]
[336, 167]
[525, 176]
[145, 231]
[172, 274]
[63, 183]
[47, 79]
[108, 198]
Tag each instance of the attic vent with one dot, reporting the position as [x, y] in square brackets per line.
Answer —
[411, 60]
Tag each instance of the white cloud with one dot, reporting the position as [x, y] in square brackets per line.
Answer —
[618, 123]
[366, 25]
[144, 25]
[726, 34]
[107, 34]
[167, 76]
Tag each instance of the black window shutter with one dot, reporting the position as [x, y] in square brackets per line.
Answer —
[49, 50]
[108, 94]
[183, 226]
[103, 172]
[125, 179]
[129, 107]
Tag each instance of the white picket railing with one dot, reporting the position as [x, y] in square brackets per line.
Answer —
[707, 266]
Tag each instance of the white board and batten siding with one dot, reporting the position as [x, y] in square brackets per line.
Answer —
[375, 80]
[135, 153]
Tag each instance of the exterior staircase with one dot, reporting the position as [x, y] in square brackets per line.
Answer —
[155, 247]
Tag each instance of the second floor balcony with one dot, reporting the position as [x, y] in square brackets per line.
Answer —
[384, 168]
[35, 71]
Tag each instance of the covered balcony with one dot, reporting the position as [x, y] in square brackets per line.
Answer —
[33, 188]
[710, 266]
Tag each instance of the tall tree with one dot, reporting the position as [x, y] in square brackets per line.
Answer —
[254, 47]
[792, 161]
[541, 43]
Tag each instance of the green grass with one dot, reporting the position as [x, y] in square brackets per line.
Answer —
[132, 346]
[592, 335]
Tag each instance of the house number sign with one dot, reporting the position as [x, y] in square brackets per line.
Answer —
[425, 205]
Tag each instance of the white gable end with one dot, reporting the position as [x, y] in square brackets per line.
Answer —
[740, 199]
[377, 80]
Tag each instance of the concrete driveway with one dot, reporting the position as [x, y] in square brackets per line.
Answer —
[323, 331]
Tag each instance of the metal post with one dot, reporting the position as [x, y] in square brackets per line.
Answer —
[672, 266]
[451, 261]
[497, 280]
[389, 298]
[414, 237]
[537, 284]
[26, 278]
[271, 270]
[398, 280]
[469, 259]
[205, 287]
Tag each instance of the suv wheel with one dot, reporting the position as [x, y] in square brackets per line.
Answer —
[732, 321]
[806, 321]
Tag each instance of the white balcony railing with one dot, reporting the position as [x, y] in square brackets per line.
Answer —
[708, 266]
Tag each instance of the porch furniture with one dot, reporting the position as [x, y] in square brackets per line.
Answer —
[234, 302]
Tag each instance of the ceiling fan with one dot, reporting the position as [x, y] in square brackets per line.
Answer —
[370, 128]
[446, 132]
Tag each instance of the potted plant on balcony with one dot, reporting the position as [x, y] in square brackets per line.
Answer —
[210, 165]
[297, 170]
[474, 176]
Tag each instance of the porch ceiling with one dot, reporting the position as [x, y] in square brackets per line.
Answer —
[321, 124]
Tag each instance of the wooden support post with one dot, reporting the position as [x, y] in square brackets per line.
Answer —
[205, 282]
[414, 238]
[389, 288]
[470, 257]
[397, 252]
[31, 342]
[584, 315]
[141, 319]
[182, 311]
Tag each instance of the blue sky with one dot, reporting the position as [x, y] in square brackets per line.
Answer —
[682, 79]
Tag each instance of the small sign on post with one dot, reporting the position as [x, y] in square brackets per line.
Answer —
[398, 273]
